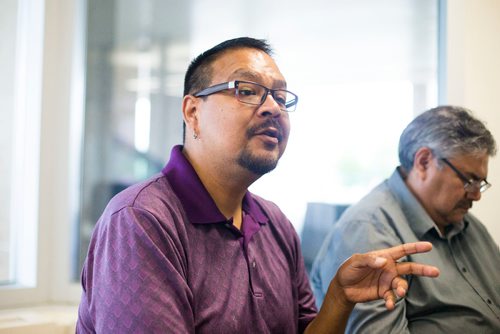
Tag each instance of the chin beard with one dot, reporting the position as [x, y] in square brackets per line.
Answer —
[257, 165]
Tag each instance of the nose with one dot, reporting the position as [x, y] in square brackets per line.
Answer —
[270, 107]
[474, 195]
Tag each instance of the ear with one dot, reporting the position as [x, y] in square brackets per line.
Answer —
[190, 113]
[422, 161]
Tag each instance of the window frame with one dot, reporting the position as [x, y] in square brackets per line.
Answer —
[50, 46]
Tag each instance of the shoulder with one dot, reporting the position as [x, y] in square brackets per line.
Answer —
[377, 210]
[146, 195]
[365, 226]
[148, 203]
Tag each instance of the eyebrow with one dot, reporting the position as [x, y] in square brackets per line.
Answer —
[246, 74]
[477, 178]
[473, 176]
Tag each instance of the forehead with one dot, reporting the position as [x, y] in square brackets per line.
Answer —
[247, 64]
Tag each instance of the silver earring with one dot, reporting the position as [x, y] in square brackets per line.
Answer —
[195, 136]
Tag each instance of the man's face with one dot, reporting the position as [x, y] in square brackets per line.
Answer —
[446, 199]
[250, 136]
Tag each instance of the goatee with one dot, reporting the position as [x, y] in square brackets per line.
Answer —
[256, 165]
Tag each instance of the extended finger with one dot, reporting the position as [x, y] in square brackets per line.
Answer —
[400, 285]
[412, 268]
[398, 252]
[390, 299]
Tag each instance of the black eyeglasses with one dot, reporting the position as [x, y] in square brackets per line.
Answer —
[253, 93]
[470, 185]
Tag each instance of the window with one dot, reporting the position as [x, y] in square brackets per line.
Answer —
[20, 89]
[19, 140]
[358, 90]
[362, 70]
[40, 111]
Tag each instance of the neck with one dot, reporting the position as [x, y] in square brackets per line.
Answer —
[226, 186]
[228, 196]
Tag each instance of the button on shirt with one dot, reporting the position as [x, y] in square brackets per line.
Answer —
[465, 298]
[163, 258]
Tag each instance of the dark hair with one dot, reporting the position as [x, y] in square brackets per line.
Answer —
[199, 73]
[448, 131]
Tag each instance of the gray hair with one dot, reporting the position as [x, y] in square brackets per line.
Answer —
[448, 131]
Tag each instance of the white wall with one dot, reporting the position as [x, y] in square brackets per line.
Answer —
[473, 81]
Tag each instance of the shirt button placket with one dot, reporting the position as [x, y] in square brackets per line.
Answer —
[254, 277]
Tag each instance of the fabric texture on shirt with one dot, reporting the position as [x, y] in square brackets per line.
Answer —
[163, 259]
[465, 298]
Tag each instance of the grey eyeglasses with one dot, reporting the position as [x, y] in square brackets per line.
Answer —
[470, 185]
[253, 93]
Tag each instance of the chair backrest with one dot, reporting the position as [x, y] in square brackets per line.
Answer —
[318, 220]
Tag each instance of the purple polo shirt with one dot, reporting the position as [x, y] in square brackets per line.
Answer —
[163, 259]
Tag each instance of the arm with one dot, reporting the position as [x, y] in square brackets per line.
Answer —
[366, 277]
[333, 314]
[134, 278]
[350, 236]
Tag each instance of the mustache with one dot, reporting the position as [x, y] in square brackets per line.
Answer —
[269, 123]
[464, 204]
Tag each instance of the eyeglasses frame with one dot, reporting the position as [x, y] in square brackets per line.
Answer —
[469, 184]
[234, 85]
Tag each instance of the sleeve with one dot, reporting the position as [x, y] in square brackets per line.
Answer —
[134, 279]
[345, 239]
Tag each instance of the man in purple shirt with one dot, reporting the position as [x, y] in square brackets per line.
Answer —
[192, 250]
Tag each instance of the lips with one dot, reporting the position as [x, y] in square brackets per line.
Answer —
[271, 132]
[271, 128]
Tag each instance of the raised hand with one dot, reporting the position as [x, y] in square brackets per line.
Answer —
[366, 277]
[377, 274]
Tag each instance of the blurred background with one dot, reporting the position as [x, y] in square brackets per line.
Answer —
[90, 98]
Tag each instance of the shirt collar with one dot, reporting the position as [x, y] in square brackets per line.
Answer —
[195, 199]
[419, 220]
